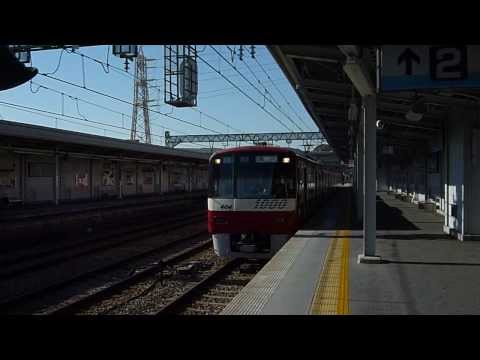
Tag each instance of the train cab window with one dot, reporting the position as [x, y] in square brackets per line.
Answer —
[264, 176]
[221, 182]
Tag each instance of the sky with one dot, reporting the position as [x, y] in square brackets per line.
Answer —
[97, 114]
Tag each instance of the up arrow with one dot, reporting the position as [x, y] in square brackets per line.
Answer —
[408, 56]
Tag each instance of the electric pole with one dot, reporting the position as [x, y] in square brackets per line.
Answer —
[140, 116]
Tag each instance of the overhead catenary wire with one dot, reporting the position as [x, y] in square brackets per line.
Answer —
[151, 86]
[73, 122]
[241, 86]
[100, 62]
[215, 119]
[42, 112]
[74, 98]
[276, 105]
[269, 93]
[229, 73]
[244, 93]
[128, 102]
[40, 86]
[59, 62]
[30, 109]
[280, 92]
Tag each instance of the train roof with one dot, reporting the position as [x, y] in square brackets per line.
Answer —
[265, 149]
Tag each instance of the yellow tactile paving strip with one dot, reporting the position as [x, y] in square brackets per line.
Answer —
[331, 295]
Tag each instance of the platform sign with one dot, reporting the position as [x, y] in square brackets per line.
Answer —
[412, 67]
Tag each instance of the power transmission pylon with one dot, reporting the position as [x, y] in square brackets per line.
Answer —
[140, 101]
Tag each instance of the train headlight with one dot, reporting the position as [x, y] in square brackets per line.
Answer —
[286, 160]
[218, 161]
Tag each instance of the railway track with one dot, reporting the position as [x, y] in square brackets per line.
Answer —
[183, 283]
[212, 294]
[131, 256]
[139, 204]
[30, 261]
[92, 300]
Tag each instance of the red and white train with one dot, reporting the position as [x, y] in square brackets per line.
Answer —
[259, 196]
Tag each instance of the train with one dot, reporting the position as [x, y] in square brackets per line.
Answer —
[259, 196]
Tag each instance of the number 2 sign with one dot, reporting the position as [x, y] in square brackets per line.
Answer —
[448, 63]
[411, 67]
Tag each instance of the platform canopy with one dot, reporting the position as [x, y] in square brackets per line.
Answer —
[316, 72]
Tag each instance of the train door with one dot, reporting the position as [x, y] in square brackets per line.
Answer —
[299, 192]
[305, 190]
[320, 173]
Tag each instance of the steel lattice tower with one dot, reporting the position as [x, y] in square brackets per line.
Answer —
[140, 101]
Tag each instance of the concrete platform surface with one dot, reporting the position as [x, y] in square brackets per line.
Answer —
[422, 271]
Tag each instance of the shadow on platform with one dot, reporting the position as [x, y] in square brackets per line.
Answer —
[391, 218]
[339, 211]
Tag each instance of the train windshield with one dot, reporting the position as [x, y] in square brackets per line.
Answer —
[264, 176]
[252, 176]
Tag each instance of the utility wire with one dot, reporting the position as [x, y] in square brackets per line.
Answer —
[151, 86]
[228, 72]
[244, 93]
[280, 92]
[102, 63]
[215, 119]
[28, 109]
[40, 86]
[105, 108]
[41, 113]
[273, 98]
[277, 105]
[59, 62]
[128, 102]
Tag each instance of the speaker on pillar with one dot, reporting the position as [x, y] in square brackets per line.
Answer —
[12, 71]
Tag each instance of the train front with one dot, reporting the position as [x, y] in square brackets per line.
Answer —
[252, 201]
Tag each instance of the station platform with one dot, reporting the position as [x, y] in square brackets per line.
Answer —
[47, 209]
[32, 225]
[422, 270]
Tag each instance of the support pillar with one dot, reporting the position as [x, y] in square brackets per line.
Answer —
[90, 178]
[190, 182]
[23, 177]
[57, 179]
[446, 155]
[136, 178]
[118, 177]
[360, 179]
[369, 181]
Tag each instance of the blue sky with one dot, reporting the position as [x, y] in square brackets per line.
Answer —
[216, 97]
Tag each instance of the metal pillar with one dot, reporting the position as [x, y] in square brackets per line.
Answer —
[190, 183]
[118, 177]
[369, 180]
[136, 178]
[57, 179]
[360, 179]
[141, 101]
[23, 177]
[447, 210]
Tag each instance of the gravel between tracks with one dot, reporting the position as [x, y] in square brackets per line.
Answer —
[149, 296]
[212, 298]
[42, 278]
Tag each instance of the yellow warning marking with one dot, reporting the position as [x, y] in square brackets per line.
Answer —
[331, 295]
[342, 307]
